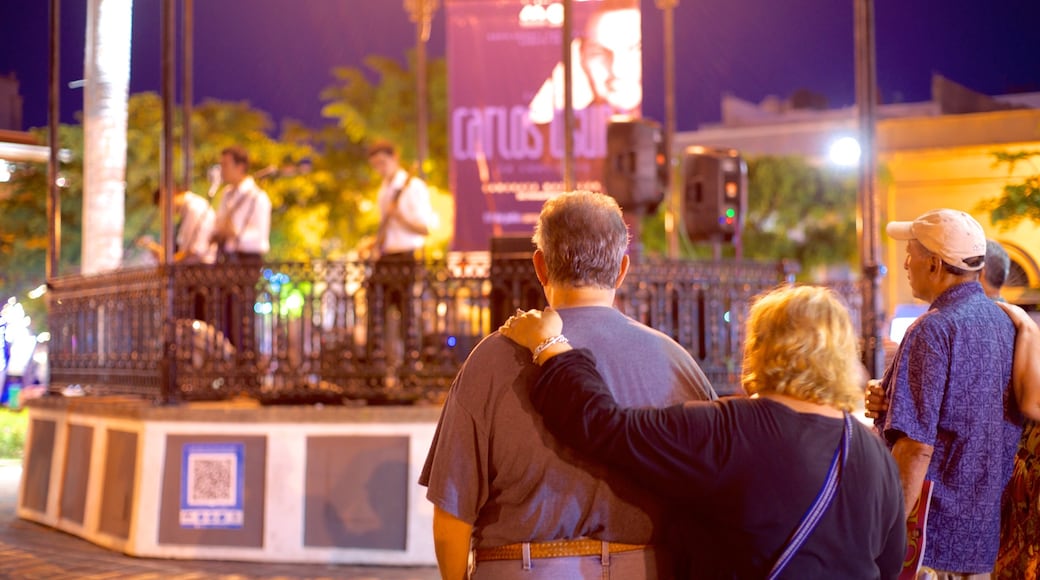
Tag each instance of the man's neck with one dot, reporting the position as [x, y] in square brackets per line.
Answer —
[574, 297]
[946, 284]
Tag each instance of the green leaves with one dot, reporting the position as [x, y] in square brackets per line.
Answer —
[321, 187]
[801, 212]
[1018, 200]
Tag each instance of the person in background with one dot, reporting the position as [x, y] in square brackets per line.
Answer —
[992, 277]
[194, 232]
[1019, 555]
[742, 474]
[406, 218]
[950, 416]
[995, 271]
[405, 213]
[242, 229]
[498, 481]
[242, 232]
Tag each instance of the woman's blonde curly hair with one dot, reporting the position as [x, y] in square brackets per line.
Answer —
[800, 343]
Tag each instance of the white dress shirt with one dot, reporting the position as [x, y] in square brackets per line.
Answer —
[196, 229]
[413, 204]
[247, 210]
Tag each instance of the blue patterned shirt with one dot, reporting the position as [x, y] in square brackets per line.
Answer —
[948, 387]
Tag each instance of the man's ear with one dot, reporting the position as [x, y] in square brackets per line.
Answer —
[540, 269]
[623, 271]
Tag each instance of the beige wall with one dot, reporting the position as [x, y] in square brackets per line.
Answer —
[957, 177]
[932, 161]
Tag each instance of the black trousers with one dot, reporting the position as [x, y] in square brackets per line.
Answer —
[239, 319]
[389, 288]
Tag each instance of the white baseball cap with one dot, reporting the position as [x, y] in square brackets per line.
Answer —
[952, 235]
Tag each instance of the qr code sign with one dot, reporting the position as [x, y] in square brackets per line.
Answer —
[212, 479]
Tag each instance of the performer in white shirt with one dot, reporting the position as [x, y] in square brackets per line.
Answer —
[242, 235]
[243, 221]
[194, 234]
[406, 218]
[406, 215]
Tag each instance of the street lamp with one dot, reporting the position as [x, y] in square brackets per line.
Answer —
[845, 152]
[421, 13]
[869, 230]
[674, 200]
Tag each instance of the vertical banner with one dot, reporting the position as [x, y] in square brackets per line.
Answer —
[505, 79]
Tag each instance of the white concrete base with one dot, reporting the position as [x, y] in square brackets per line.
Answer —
[286, 432]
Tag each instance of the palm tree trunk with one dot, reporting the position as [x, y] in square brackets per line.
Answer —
[107, 76]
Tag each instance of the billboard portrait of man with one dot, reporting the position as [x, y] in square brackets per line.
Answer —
[607, 63]
[506, 96]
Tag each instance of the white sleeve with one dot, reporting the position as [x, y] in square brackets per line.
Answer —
[415, 204]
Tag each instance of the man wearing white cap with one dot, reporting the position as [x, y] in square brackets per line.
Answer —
[950, 418]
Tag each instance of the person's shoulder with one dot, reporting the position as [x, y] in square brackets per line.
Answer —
[490, 370]
[638, 327]
[933, 321]
[198, 202]
[251, 185]
[416, 183]
[495, 353]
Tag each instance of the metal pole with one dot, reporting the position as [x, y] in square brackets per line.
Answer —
[568, 100]
[674, 199]
[869, 227]
[53, 193]
[168, 368]
[421, 13]
[420, 89]
[187, 75]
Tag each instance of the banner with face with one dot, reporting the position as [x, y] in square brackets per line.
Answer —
[506, 101]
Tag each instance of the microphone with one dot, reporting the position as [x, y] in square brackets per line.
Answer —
[214, 179]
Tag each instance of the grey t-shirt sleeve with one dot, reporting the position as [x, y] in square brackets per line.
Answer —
[455, 472]
[690, 382]
[693, 383]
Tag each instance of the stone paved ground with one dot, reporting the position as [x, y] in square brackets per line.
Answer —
[29, 550]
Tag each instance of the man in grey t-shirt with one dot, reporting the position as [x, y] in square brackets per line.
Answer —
[498, 481]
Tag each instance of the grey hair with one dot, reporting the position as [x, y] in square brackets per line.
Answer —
[998, 264]
[583, 238]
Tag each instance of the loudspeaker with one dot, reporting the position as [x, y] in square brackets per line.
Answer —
[634, 172]
[714, 193]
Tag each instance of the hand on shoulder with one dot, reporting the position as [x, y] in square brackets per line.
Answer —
[531, 328]
[1019, 317]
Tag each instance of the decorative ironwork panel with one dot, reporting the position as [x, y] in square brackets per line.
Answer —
[336, 332]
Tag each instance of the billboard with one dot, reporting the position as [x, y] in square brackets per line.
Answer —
[505, 104]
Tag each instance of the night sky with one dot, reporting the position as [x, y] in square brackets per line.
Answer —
[277, 54]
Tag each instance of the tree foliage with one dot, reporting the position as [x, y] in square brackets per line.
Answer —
[321, 187]
[23, 220]
[800, 212]
[1018, 200]
[365, 112]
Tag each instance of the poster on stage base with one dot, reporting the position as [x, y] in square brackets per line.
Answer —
[505, 78]
[212, 486]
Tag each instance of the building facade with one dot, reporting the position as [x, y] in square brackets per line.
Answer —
[938, 153]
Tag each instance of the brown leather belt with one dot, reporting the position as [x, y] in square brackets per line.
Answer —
[554, 549]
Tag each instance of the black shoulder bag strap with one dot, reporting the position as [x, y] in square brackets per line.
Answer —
[823, 501]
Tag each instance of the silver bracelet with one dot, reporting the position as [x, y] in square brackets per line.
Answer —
[558, 339]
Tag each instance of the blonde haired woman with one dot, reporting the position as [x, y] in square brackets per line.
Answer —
[780, 485]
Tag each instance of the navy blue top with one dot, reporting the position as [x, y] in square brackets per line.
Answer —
[738, 474]
[947, 387]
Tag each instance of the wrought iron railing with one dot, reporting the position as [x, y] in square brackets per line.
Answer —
[337, 332]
